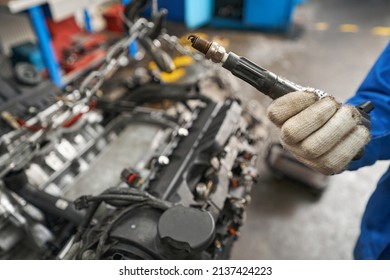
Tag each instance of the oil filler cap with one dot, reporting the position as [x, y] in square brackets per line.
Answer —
[185, 231]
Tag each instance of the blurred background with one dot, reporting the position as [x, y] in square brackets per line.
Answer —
[326, 44]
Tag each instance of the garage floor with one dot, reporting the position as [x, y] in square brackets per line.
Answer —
[284, 220]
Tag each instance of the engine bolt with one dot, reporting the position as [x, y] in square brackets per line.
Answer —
[32, 110]
[201, 190]
[215, 163]
[163, 160]
[88, 255]
[182, 132]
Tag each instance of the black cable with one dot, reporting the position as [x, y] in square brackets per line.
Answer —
[124, 191]
[88, 218]
[119, 197]
[187, 106]
[119, 201]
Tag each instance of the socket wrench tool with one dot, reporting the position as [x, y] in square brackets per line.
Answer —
[263, 80]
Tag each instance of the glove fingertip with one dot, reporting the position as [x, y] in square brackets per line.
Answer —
[275, 116]
[287, 106]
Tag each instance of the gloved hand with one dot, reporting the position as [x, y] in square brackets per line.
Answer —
[321, 133]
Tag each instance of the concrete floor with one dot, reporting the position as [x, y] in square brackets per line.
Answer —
[284, 220]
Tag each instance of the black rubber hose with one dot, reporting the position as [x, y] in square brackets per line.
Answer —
[17, 182]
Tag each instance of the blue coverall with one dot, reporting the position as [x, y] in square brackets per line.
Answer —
[374, 239]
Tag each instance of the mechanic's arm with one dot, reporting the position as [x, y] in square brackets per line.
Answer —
[376, 87]
[326, 135]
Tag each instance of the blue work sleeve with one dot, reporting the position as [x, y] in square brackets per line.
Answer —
[376, 88]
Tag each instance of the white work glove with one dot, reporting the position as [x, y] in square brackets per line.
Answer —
[321, 133]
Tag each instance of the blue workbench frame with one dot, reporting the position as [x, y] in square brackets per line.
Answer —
[44, 42]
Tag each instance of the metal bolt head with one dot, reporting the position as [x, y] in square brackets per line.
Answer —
[201, 189]
[182, 132]
[123, 61]
[88, 255]
[215, 163]
[32, 110]
[163, 160]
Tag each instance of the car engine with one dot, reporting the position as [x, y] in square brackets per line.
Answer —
[159, 171]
